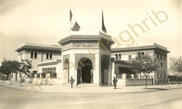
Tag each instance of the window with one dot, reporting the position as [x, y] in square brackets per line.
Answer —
[35, 55]
[31, 55]
[54, 69]
[139, 54]
[129, 57]
[48, 55]
[116, 55]
[119, 56]
[51, 71]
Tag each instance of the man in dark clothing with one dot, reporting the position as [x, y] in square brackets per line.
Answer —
[71, 81]
[115, 82]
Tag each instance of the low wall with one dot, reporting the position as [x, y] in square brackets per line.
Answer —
[138, 82]
[46, 81]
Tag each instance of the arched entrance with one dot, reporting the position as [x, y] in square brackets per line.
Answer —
[84, 71]
[66, 71]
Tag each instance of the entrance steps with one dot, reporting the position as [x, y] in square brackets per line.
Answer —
[82, 85]
[87, 85]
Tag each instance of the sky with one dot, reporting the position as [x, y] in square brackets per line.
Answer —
[47, 21]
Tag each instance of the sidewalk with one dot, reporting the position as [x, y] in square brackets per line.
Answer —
[90, 88]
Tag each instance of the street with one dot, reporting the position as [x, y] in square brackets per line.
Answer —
[11, 98]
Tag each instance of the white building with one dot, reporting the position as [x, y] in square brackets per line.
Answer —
[88, 58]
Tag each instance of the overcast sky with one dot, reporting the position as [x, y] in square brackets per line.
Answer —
[47, 21]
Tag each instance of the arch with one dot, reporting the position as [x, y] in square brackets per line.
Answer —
[85, 71]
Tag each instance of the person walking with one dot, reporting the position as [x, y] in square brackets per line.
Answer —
[115, 82]
[71, 81]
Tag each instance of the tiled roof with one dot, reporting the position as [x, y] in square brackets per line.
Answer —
[146, 47]
[39, 47]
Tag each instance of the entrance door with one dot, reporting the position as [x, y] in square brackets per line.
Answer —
[84, 71]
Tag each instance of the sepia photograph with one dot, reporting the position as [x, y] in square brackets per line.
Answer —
[90, 54]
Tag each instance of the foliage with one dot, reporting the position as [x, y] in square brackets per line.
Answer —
[12, 66]
[9, 67]
[145, 64]
[176, 64]
[25, 66]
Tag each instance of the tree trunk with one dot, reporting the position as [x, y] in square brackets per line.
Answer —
[146, 82]
[20, 79]
[16, 77]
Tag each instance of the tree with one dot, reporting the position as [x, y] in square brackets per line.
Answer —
[12, 66]
[145, 64]
[25, 66]
[1, 74]
[8, 67]
[176, 65]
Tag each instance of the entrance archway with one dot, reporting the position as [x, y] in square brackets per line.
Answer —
[66, 70]
[84, 71]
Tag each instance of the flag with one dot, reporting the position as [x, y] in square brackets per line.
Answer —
[103, 26]
[71, 15]
[76, 27]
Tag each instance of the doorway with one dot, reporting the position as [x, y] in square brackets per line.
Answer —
[84, 71]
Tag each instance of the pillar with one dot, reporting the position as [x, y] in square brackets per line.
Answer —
[97, 70]
[123, 80]
[132, 76]
[110, 72]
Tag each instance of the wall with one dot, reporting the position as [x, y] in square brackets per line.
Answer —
[138, 82]
[133, 82]
[40, 58]
[125, 54]
[161, 75]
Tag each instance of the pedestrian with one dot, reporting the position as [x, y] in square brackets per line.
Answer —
[115, 82]
[71, 81]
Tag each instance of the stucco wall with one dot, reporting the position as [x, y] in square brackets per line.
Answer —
[41, 57]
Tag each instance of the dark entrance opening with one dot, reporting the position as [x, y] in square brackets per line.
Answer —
[84, 71]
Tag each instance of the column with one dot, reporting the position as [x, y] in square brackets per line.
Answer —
[112, 71]
[124, 79]
[72, 69]
[132, 76]
[97, 70]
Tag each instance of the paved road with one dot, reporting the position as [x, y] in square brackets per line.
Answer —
[11, 98]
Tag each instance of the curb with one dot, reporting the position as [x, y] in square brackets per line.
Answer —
[72, 91]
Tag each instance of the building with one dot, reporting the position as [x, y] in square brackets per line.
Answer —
[156, 51]
[89, 58]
